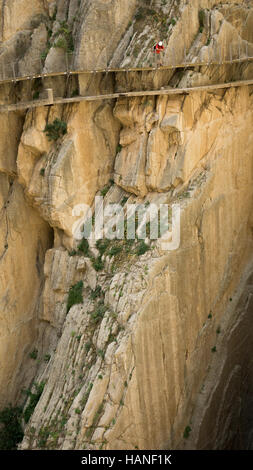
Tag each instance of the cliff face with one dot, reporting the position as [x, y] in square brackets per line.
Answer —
[160, 341]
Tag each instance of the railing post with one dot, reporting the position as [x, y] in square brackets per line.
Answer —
[185, 54]
[50, 95]
[247, 49]
[41, 65]
[13, 70]
[71, 61]
[172, 56]
[66, 62]
[209, 55]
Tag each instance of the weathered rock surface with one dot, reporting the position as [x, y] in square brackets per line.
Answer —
[76, 169]
[24, 239]
[160, 341]
[146, 374]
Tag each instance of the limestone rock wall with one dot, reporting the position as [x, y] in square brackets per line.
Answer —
[73, 170]
[114, 379]
[126, 367]
[223, 412]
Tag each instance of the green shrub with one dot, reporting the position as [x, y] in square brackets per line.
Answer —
[44, 54]
[98, 314]
[34, 354]
[61, 43]
[88, 346]
[96, 293]
[42, 172]
[34, 398]
[11, 432]
[101, 353]
[187, 432]
[72, 253]
[47, 357]
[142, 248]
[201, 19]
[104, 191]
[55, 130]
[115, 250]
[97, 263]
[65, 40]
[75, 295]
[84, 247]
[44, 434]
[102, 245]
[124, 200]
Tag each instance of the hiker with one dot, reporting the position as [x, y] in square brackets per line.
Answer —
[158, 48]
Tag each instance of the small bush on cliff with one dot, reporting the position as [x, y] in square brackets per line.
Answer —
[97, 263]
[75, 295]
[102, 245]
[84, 247]
[98, 313]
[96, 293]
[187, 432]
[34, 398]
[55, 130]
[201, 20]
[34, 354]
[142, 248]
[115, 250]
[11, 432]
[65, 41]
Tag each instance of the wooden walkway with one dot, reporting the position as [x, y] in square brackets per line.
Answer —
[163, 91]
[186, 65]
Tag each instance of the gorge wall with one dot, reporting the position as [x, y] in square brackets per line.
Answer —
[158, 352]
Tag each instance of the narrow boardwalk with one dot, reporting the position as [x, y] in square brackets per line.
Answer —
[14, 77]
[50, 100]
[163, 91]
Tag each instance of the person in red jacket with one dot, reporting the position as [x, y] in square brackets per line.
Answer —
[158, 48]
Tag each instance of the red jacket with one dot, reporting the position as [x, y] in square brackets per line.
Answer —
[158, 49]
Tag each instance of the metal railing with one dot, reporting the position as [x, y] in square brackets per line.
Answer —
[27, 69]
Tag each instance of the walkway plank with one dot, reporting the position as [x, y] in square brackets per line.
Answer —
[125, 70]
[162, 91]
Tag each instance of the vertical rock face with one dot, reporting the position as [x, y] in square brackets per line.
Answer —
[76, 169]
[17, 16]
[133, 345]
[112, 16]
[23, 241]
[128, 359]
[223, 412]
